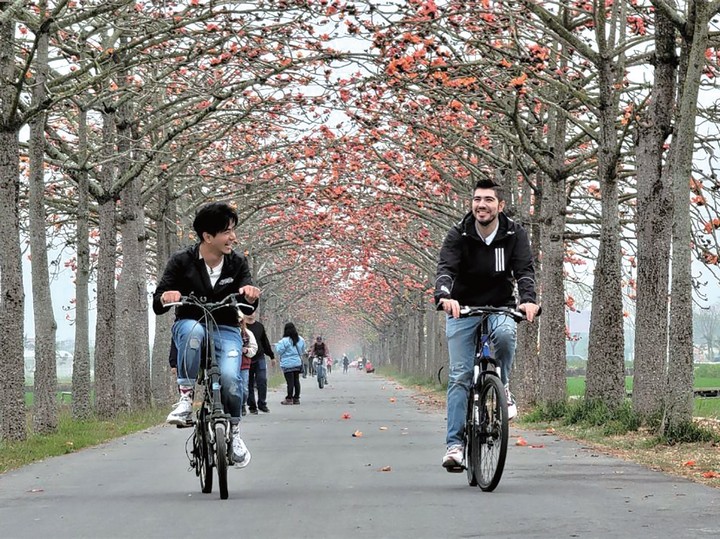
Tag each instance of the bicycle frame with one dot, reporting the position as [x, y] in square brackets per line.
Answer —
[212, 424]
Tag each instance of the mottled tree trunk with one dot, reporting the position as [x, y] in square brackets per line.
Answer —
[653, 224]
[12, 299]
[45, 404]
[606, 359]
[679, 395]
[105, 397]
[526, 368]
[81, 405]
[553, 387]
[163, 382]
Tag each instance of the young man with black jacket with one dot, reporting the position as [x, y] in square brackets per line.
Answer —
[258, 367]
[210, 270]
[482, 259]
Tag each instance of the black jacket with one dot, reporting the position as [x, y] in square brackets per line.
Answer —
[186, 273]
[477, 274]
[263, 343]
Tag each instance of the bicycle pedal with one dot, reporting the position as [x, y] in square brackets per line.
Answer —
[454, 468]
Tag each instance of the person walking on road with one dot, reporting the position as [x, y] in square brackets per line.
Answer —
[209, 269]
[258, 367]
[290, 350]
[482, 259]
[249, 350]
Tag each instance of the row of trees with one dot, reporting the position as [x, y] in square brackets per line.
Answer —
[349, 135]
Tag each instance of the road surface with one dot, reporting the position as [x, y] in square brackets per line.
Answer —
[310, 478]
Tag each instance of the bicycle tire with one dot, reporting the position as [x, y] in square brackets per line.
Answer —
[204, 463]
[221, 459]
[492, 433]
[321, 381]
[470, 442]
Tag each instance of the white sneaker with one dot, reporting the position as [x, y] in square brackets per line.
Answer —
[241, 454]
[512, 406]
[182, 413]
[454, 456]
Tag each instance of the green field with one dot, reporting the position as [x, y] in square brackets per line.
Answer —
[704, 407]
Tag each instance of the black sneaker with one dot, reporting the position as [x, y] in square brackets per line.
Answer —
[264, 408]
[244, 410]
[253, 411]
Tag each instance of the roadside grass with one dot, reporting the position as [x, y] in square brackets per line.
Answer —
[75, 435]
[693, 452]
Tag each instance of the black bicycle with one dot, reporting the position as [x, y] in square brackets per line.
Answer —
[486, 424]
[211, 440]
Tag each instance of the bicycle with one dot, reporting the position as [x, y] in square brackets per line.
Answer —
[486, 425]
[321, 371]
[212, 436]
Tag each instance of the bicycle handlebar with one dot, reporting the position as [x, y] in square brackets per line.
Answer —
[229, 301]
[470, 310]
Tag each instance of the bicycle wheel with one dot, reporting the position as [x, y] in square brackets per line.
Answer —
[202, 453]
[221, 459]
[471, 441]
[492, 434]
[321, 380]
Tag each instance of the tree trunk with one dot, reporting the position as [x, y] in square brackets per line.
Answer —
[164, 384]
[45, 407]
[653, 224]
[679, 395]
[606, 361]
[553, 387]
[105, 397]
[81, 405]
[12, 299]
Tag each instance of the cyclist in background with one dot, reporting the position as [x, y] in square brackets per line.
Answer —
[210, 270]
[482, 259]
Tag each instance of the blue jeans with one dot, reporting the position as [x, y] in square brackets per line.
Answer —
[461, 336]
[189, 338]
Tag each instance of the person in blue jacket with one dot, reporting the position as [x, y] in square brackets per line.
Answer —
[290, 350]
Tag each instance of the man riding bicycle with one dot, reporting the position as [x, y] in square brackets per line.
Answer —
[481, 260]
[210, 270]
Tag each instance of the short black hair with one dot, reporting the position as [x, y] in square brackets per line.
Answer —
[214, 218]
[489, 184]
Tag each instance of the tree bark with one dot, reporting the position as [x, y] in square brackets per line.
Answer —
[81, 383]
[45, 404]
[653, 224]
[12, 298]
[679, 395]
[105, 392]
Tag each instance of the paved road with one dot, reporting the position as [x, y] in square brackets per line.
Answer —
[310, 478]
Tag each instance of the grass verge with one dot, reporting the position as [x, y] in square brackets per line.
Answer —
[75, 435]
[693, 453]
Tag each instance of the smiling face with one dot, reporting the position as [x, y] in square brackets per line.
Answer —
[486, 206]
[221, 243]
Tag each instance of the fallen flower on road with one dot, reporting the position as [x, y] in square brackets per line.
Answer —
[357, 434]
[539, 446]
[392, 399]
[386, 469]
[689, 463]
[711, 474]
[346, 416]
[521, 441]
[383, 428]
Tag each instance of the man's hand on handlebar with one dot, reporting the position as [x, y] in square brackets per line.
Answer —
[451, 307]
[251, 293]
[530, 310]
[170, 296]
